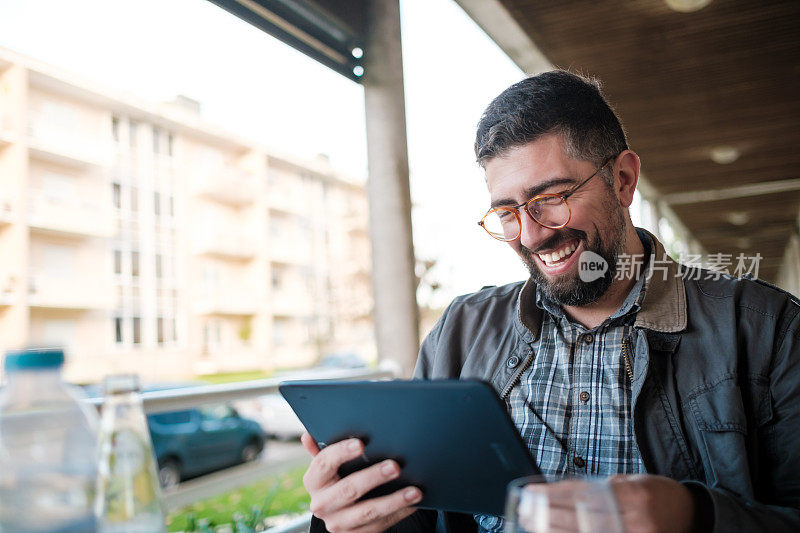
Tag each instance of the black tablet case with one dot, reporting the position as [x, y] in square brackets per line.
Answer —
[452, 438]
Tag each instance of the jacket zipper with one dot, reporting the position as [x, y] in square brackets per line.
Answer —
[627, 359]
[517, 376]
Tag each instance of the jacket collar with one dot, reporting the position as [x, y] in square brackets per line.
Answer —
[664, 305]
[663, 308]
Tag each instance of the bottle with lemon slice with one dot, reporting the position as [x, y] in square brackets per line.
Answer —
[128, 494]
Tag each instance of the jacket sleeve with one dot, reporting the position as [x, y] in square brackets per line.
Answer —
[781, 513]
[430, 346]
[422, 521]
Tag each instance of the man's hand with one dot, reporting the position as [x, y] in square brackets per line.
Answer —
[645, 504]
[653, 503]
[335, 499]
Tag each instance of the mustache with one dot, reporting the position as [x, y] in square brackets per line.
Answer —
[565, 235]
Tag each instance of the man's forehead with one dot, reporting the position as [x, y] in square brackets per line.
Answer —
[522, 172]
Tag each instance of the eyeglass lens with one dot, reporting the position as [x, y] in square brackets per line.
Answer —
[549, 212]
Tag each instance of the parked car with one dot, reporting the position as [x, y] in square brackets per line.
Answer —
[191, 442]
[197, 441]
[342, 360]
[278, 419]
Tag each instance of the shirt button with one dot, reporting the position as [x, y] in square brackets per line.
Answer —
[579, 462]
[588, 338]
[512, 361]
[584, 396]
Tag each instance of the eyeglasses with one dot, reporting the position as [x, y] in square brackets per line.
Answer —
[548, 210]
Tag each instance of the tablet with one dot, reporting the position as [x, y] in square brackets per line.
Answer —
[452, 438]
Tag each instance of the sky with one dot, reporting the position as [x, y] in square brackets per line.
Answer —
[257, 87]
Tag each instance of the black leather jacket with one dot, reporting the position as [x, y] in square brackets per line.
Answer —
[716, 390]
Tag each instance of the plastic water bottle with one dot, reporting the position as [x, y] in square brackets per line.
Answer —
[128, 491]
[47, 448]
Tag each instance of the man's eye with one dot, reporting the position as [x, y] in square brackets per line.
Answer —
[503, 214]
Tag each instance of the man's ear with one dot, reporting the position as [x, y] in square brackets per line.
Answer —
[626, 176]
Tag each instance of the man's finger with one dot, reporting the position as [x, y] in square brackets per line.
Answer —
[387, 522]
[375, 514]
[347, 491]
[309, 444]
[323, 468]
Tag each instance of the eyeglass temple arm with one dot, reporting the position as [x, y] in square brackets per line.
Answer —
[584, 182]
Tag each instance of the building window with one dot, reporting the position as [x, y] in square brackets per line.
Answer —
[160, 329]
[118, 329]
[278, 332]
[116, 190]
[132, 133]
[171, 207]
[170, 144]
[117, 262]
[137, 330]
[135, 264]
[134, 199]
[157, 203]
[159, 266]
[115, 128]
[174, 330]
[156, 140]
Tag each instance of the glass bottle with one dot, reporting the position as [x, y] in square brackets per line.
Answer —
[128, 493]
[48, 459]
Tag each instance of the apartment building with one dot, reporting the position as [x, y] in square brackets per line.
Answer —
[142, 239]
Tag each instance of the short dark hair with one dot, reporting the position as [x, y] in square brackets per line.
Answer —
[553, 102]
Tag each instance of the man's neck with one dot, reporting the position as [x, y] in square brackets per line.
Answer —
[592, 315]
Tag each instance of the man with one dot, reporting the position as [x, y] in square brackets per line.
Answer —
[681, 385]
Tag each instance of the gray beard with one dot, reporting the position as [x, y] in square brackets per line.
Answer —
[574, 291]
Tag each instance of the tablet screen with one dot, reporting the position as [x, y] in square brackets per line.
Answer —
[452, 438]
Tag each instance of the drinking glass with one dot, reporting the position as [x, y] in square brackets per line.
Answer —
[582, 505]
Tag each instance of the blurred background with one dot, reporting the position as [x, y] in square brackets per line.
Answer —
[183, 195]
[193, 190]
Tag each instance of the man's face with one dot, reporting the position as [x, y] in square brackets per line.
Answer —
[597, 223]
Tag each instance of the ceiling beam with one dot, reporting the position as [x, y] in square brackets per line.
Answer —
[727, 193]
[496, 22]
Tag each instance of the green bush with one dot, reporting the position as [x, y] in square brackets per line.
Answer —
[246, 508]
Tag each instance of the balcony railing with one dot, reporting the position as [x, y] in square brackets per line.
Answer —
[230, 186]
[232, 478]
[63, 145]
[289, 251]
[230, 244]
[6, 212]
[6, 132]
[227, 301]
[68, 292]
[71, 216]
[291, 303]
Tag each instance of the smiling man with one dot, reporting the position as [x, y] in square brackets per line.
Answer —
[677, 384]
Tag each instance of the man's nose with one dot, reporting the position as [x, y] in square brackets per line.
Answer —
[532, 234]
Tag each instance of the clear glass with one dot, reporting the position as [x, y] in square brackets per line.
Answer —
[47, 455]
[128, 492]
[576, 504]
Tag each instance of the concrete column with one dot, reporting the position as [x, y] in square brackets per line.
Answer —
[393, 278]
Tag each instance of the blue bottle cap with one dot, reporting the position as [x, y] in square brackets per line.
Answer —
[33, 358]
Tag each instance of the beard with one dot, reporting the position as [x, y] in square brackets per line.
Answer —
[569, 289]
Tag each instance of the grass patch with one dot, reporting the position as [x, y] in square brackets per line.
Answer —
[232, 377]
[252, 503]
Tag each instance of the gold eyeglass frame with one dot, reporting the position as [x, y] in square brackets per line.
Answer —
[514, 209]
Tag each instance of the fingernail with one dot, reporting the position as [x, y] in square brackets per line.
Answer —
[412, 494]
[353, 445]
[387, 468]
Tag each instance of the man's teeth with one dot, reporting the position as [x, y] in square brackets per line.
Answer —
[558, 255]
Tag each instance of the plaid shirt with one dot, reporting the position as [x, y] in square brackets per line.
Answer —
[573, 405]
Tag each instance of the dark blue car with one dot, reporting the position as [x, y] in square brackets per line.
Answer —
[196, 441]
